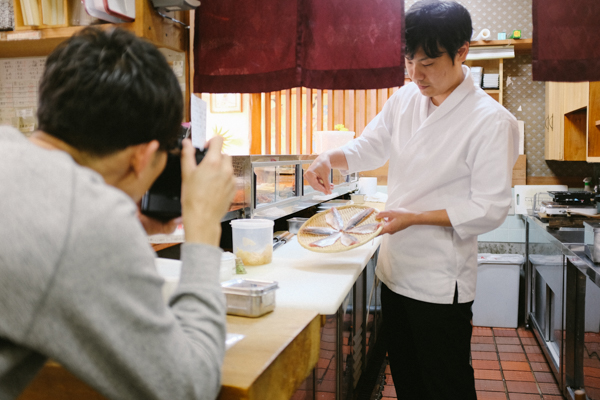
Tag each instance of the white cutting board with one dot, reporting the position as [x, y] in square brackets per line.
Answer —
[524, 195]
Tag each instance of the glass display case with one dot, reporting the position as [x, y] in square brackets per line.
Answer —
[273, 186]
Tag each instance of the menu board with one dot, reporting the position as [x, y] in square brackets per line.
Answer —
[19, 81]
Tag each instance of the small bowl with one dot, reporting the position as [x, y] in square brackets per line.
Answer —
[357, 198]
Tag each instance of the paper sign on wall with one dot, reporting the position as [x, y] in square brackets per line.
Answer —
[198, 111]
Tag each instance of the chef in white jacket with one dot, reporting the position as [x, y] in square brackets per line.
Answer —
[451, 149]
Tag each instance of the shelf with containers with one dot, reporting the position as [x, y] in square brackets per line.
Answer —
[172, 39]
[490, 55]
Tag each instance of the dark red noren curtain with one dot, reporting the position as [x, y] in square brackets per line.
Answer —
[254, 46]
[566, 40]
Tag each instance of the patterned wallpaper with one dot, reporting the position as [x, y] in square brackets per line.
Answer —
[506, 16]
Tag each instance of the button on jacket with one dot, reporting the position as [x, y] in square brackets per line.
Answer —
[459, 158]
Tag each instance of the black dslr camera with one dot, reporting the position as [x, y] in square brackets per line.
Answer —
[163, 200]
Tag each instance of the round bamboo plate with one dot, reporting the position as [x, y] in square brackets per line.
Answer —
[347, 212]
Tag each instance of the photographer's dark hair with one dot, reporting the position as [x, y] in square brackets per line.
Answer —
[435, 24]
[103, 91]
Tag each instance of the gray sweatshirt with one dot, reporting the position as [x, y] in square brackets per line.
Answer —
[78, 284]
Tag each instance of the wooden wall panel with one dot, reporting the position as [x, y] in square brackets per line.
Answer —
[306, 110]
[593, 141]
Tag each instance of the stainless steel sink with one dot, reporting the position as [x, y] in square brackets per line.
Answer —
[568, 235]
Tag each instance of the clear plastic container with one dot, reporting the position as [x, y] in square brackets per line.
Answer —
[227, 266]
[253, 240]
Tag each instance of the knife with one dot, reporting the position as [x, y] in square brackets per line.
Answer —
[283, 239]
[279, 235]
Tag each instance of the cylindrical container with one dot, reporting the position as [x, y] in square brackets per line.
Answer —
[253, 240]
[367, 186]
[227, 266]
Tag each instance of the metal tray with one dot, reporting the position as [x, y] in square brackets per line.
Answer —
[249, 298]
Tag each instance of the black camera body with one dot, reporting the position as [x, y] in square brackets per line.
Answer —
[163, 200]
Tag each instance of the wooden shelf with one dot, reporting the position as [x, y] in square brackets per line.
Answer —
[148, 24]
[522, 46]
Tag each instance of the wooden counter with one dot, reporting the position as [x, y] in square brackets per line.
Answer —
[279, 352]
[276, 355]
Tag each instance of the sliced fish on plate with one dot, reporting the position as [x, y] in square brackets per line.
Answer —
[327, 241]
[319, 230]
[358, 218]
[334, 219]
[364, 229]
[349, 240]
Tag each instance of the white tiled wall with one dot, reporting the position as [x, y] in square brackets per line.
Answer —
[512, 230]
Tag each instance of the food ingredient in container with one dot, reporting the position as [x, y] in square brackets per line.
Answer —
[295, 223]
[253, 240]
[249, 298]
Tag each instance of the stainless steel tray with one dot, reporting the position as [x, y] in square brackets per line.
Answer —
[249, 298]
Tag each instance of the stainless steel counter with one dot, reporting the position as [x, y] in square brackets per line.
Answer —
[563, 304]
[571, 243]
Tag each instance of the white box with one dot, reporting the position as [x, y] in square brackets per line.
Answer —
[497, 293]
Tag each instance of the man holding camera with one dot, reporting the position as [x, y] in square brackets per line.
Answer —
[78, 280]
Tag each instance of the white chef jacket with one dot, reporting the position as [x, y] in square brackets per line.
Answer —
[460, 159]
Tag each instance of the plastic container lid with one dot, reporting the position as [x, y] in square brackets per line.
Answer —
[251, 223]
[540, 259]
[487, 258]
[227, 256]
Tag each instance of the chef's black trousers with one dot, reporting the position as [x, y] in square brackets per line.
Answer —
[428, 347]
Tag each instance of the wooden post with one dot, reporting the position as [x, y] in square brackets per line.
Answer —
[371, 104]
[360, 112]
[349, 114]
[299, 121]
[288, 121]
[268, 123]
[255, 124]
[277, 122]
[330, 110]
[309, 131]
[338, 108]
[319, 110]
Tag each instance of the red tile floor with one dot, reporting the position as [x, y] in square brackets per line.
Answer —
[508, 364]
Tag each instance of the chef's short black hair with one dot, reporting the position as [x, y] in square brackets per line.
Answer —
[105, 90]
[437, 24]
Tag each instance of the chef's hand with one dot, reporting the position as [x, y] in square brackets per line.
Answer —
[399, 219]
[154, 226]
[317, 175]
[395, 220]
[206, 193]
